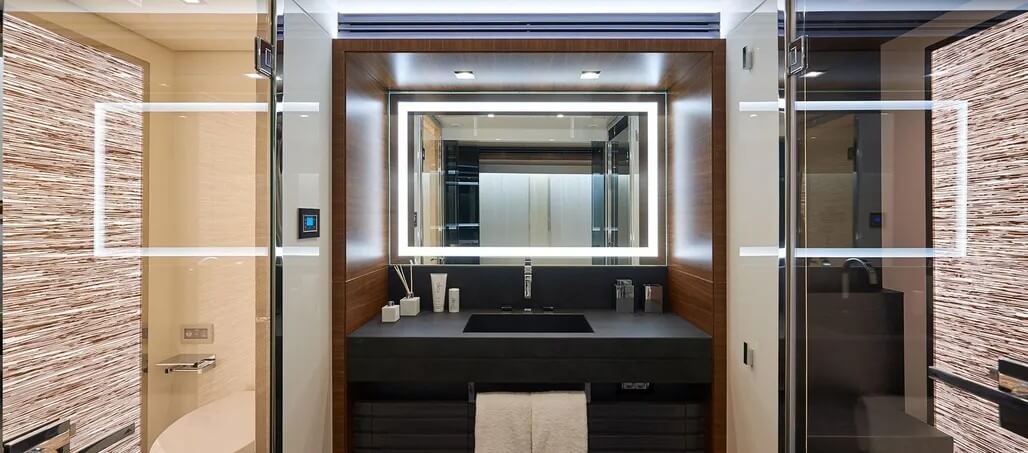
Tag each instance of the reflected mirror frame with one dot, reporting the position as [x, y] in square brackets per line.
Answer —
[407, 108]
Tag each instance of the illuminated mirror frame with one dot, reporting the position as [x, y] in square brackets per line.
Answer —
[651, 109]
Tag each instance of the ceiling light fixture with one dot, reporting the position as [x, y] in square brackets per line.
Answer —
[193, 2]
[560, 115]
[812, 74]
[491, 115]
[590, 75]
[464, 75]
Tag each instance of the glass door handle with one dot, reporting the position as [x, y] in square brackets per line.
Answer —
[1012, 377]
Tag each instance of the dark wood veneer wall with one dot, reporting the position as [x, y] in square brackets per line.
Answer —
[697, 282]
[693, 71]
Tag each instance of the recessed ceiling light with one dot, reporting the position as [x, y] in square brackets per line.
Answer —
[491, 115]
[560, 115]
[253, 75]
[305, 116]
[590, 75]
[193, 2]
[812, 74]
[464, 75]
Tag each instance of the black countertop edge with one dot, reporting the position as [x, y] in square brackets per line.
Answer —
[606, 324]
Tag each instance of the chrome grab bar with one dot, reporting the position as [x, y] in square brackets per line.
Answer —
[54, 437]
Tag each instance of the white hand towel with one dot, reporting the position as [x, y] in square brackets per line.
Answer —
[503, 423]
[559, 423]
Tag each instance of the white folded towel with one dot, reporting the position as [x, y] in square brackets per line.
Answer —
[559, 423]
[503, 423]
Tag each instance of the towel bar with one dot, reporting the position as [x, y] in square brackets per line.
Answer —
[586, 387]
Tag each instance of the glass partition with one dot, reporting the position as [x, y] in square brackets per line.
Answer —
[136, 236]
[909, 219]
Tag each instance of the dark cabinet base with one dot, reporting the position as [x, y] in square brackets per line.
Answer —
[644, 423]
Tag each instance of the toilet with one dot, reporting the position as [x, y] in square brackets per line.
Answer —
[222, 426]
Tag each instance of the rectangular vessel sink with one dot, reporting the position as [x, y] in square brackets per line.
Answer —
[527, 323]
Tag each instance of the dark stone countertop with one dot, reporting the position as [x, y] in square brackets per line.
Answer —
[605, 324]
[624, 347]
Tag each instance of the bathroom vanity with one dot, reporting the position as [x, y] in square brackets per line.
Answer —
[530, 190]
[433, 347]
[646, 376]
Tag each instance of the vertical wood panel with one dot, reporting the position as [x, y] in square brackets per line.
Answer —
[697, 216]
[367, 182]
[72, 321]
[340, 419]
[359, 196]
[980, 306]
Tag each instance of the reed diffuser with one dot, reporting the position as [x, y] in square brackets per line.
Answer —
[411, 304]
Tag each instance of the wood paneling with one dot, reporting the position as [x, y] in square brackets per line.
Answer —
[72, 320]
[360, 217]
[365, 296]
[620, 71]
[697, 213]
[980, 306]
[691, 297]
[367, 183]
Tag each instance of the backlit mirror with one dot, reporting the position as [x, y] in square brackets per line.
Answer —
[572, 183]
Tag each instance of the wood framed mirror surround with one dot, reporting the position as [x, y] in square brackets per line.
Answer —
[690, 71]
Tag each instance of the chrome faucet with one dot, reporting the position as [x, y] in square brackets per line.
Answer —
[872, 274]
[528, 278]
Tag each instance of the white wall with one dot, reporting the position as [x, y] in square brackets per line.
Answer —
[306, 183]
[753, 221]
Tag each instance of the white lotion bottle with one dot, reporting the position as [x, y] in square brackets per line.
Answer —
[438, 292]
[454, 300]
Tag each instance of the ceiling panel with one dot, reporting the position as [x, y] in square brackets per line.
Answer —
[526, 71]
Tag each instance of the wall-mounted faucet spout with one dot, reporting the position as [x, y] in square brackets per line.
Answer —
[872, 274]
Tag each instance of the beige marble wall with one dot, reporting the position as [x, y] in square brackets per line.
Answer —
[199, 184]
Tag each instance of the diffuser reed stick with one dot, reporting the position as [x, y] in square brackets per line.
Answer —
[403, 279]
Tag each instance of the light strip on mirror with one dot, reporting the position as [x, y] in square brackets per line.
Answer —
[650, 109]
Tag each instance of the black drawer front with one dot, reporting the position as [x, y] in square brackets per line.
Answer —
[448, 426]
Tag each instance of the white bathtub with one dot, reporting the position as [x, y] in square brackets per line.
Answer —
[222, 426]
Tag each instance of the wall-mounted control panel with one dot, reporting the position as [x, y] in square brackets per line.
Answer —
[310, 223]
[198, 333]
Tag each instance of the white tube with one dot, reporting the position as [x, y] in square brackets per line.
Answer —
[438, 292]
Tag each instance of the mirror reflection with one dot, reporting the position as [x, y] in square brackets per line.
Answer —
[510, 179]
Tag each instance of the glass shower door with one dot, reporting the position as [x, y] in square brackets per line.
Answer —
[909, 222]
[136, 281]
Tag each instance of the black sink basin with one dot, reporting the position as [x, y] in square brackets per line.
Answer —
[527, 323]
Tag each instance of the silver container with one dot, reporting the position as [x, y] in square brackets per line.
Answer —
[653, 298]
[624, 294]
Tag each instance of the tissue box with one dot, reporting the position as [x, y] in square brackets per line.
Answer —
[390, 313]
[410, 306]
